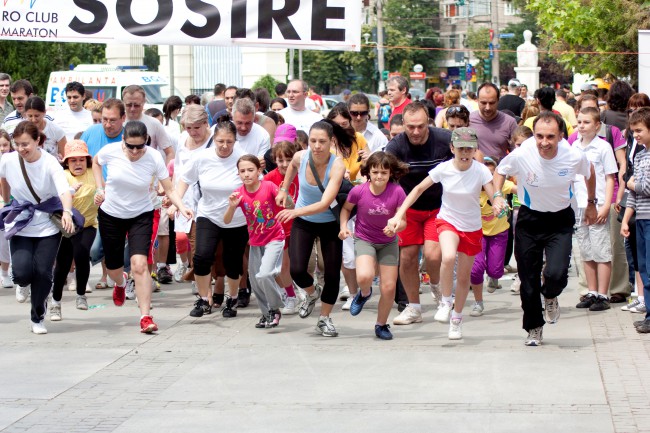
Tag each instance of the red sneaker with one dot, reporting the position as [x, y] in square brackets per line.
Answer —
[147, 326]
[119, 293]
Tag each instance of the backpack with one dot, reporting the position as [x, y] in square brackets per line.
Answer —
[384, 113]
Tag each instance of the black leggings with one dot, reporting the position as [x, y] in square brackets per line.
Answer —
[76, 247]
[301, 243]
[208, 236]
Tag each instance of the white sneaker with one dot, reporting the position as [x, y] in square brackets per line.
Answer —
[436, 294]
[71, 281]
[89, 289]
[634, 303]
[347, 304]
[477, 310]
[55, 313]
[6, 282]
[535, 337]
[344, 294]
[444, 313]
[290, 306]
[37, 328]
[180, 271]
[516, 285]
[22, 293]
[130, 289]
[408, 316]
[551, 310]
[455, 329]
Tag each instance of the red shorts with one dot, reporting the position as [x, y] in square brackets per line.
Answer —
[154, 235]
[470, 242]
[420, 226]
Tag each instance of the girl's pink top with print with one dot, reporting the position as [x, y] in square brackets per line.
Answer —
[374, 211]
[277, 178]
[260, 210]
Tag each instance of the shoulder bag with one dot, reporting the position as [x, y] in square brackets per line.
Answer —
[341, 196]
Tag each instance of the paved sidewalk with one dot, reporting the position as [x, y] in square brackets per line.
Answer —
[94, 371]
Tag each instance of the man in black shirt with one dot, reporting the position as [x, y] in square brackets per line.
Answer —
[422, 147]
[512, 101]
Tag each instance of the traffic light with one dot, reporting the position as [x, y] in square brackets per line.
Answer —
[384, 75]
[487, 68]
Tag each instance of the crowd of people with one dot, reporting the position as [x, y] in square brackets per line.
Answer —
[249, 195]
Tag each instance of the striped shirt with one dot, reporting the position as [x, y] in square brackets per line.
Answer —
[639, 198]
[13, 119]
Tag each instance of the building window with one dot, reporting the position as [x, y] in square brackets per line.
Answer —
[451, 10]
[510, 9]
[480, 7]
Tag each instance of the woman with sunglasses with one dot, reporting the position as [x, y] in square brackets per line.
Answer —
[126, 209]
[456, 116]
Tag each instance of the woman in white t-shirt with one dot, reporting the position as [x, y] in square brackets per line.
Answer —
[34, 239]
[126, 209]
[196, 136]
[459, 221]
[171, 108]
[54, 136]
[215, 170]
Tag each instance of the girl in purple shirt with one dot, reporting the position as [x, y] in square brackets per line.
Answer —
[374, 242]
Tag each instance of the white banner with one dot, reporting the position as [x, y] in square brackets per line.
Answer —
[303, 24]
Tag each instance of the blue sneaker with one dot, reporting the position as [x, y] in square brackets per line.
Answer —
[358, 302]
[382, 332]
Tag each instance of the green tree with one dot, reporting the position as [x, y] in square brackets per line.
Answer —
[35, 60]
[267, 82]
[325, 69]
[603, 28]
[151, 58]
[478, 39]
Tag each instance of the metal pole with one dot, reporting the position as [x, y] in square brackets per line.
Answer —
[380, 44]
[300, 64]
[497, 45]
[291, 70]
[172, 86]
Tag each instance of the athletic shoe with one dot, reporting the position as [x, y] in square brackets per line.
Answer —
[326, 327]
[551, 310]
[534, 337]
[408, 316]
[634, 303]
[588, 301]
[344, 294]
[358, 302]
[180, 271]
[230, 310]
[638, 323]
[82, 303]
[155, 286]
[436, 294]
[307, 306]
[383, 333]
[641, 308]
[444, 313]
[601, 304]
[71, 281]
[165, 275]
[37, 328]
[22, 293]
[201, 307]
[274, 319]
[244, 297]
[7, 283]
[516, 285]
[455, 329]
[493, 284]
[261, 324]
[89, 289]
[347, 304]
[195, 290]
[119, 293]
[401, 306]
[147, 325]
[290, 306]
[643, 328]
[55, 313]
[509, 269]
[477, 309]
[129, 291]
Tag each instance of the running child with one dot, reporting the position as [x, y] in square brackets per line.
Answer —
[458, 222]
[375, 243]
[266, 237]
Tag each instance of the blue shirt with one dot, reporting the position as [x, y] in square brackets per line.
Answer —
[96, 138]
[310, 194]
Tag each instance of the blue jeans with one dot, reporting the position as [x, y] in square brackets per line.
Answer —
[643, 255]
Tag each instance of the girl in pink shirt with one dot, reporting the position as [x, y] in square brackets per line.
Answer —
[266, 237]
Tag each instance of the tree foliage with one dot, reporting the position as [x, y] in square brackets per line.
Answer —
[268, 83]
[35, 60]
[606, 28]
[478, 39]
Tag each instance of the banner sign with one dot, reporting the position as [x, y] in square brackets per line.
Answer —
[302, 24]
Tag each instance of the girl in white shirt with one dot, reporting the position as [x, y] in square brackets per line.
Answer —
[126, 209]
[458, 222]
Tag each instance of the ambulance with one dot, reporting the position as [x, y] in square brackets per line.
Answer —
[108, 81]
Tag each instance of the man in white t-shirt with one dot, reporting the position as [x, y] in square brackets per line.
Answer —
[545, 166]
[20, 91]
[251, 137]
[359, 106]
[297, 114]
[74, 118]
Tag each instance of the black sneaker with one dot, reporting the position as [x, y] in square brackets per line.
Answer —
[588, 301]
[230, 310]
[601, 304]
[201, 307]
[644, 328]
[262, 323]
[165, 276]
[638, 323]
[274, 318]
[244, 297]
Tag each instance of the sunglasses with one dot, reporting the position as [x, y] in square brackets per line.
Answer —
[134, 146]
[456, 109]
[358, 113]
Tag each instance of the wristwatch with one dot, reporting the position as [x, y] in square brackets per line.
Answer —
[592, 201]
[68, 211]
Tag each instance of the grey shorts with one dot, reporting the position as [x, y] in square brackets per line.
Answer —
[384, 254]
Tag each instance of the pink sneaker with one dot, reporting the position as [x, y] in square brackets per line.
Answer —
[119, 293]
